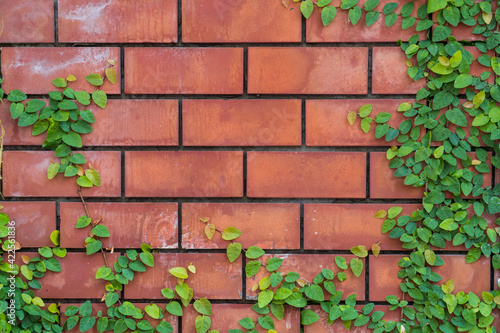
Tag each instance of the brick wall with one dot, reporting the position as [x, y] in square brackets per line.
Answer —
[232, 110]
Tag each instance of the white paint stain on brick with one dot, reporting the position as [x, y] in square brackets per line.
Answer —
[89, 14]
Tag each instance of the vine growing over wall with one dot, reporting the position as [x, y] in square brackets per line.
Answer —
[448, 141]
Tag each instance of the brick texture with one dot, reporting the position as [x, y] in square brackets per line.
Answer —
[269, 226]
[235, 111]
[184, 70]
[25, 21]
[245, 21]
[241, 122]
[294, 70]
[130, 224]
[314, 174]
[178, 174]
[32, 69]
[118, 21]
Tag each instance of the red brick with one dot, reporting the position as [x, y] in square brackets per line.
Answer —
[26, 215]
[18, 182]
[31, 69]
[383, 183]
[77, 277]
[301, 70]
[308, 266]
[183, 70]
[137, 118]
[243, 21]
[327, 125]
[241, 122]
[25, 21]
[468, 277]
[102, 307]
[130, 224]
[341, 29]
[342, 226]
[226, 317]
[306, 174]
[321, 326]
[118, 21]
[269, 225]
[390, 73]
[215, 277]
[184, 174]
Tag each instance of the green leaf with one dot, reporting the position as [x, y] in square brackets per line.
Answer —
[111, 298]
[82, 97]
[252, 268]
[102, 324]
[179, 272]
[27, 119]
[452, 15]
[230, 233]
[85, 309]
[346, 4]
[81, 126]
[233, 251]
[100, 98]
[203, 306]
[306, 7]
[88, 116]
[182, 290]
[72, 139]
[16, 96]
[371, 4]
[355, 14]
[308, 317]
[435, 5]
[273, 264]
[282, 293]
[365, 110]
[93, 246]
[67, 105]
[59, 82]
[86, 323]
[266, 322]
[101, 231]
[34, 105]
[93, 176]
[95, 79]
[265, 297]
[457, 117]
[391, 18]
[440, 33]
[247, 323]
[174, 308]
[53, 170]
[102, 272]
[39, 127]
[371, 18]
[83, 221]
[202, 323]
[473, 255]
[356, 266]
[328, 14]
[359, 251]
[77, 158]
[83, 181]
[254, 252]
[341, 263]
[394, 211]
[164, 327]
[315, 292]
[16, 109]
[463, 80]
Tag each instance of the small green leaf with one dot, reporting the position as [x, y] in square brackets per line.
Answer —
[203, 306]
[100, 98]
[179, 272]
[230, 233]
[202, 323]
[306, 8]
[308, 317]
[95, 79]
[359, 251]
[53, 170]
[101, 231]
[60, 82]
[254, 252]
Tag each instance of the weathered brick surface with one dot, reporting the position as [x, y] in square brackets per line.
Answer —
[26, 21]
[269, 226]
[306, 175]
[17, 184]
[118, 21]
[183, 70]
[32, 69]
[299, 70]
[241, 122]
[245, 21]
[214, 278]
[183, 174]
[130, 224]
